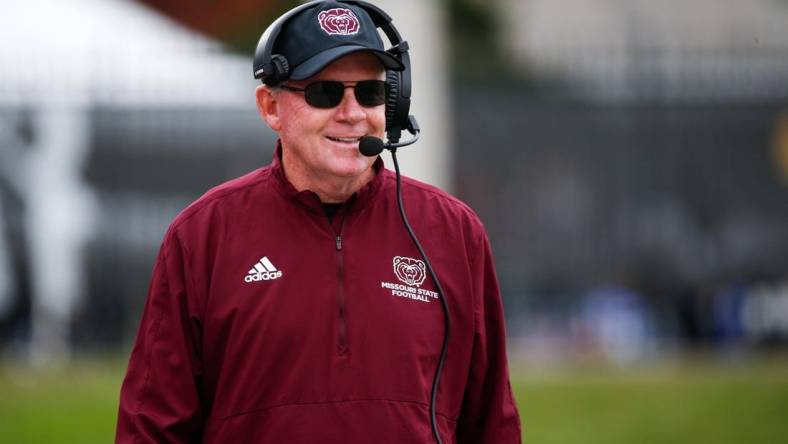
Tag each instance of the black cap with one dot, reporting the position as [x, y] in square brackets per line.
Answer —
[320, 35]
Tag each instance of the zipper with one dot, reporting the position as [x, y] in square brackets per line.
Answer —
[343, 345]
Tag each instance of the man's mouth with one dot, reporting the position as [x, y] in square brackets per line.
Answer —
[344, 139]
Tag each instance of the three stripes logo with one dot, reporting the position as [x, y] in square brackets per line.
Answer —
[263, 270]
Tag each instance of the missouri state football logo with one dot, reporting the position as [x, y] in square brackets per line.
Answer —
[338, 21]
[409, 271]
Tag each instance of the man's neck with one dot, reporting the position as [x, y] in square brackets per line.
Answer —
[329, 188]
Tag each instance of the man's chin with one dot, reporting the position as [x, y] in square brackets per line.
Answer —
[351, 167]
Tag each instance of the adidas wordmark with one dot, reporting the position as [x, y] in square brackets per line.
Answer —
[263, 270]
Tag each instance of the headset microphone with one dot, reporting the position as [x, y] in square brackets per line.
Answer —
[371, 146]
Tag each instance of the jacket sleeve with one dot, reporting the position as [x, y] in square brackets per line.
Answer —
[159, 399]
[489, 414]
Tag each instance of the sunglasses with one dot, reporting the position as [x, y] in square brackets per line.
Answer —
[329, 93]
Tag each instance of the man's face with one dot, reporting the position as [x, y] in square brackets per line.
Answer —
[322, 144]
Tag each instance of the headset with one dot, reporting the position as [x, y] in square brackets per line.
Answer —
[274, 69]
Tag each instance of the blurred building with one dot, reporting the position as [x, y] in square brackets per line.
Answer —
[614, 50]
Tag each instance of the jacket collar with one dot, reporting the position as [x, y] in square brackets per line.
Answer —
[310, 200]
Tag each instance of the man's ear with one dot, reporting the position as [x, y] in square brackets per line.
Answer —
[268, 107]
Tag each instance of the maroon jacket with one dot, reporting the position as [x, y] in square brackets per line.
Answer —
[265, 323]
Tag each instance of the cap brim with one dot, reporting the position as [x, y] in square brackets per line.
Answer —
[315, 64]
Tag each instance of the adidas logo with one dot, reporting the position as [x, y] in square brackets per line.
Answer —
[263, 270]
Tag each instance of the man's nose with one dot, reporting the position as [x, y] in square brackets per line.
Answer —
[349, 108]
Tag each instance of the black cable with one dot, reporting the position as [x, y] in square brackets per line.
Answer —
[447, 323]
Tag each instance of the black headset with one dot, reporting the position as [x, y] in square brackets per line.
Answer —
[274, 69]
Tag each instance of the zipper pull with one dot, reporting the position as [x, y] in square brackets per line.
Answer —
[339, 243]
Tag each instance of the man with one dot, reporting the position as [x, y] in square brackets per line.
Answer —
[291, 306]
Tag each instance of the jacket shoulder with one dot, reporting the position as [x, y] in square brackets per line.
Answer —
[226, 195]
[426, 194]
[438, 208]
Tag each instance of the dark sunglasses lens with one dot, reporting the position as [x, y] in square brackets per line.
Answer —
[328, 94]
[324, 94]
[371, 92]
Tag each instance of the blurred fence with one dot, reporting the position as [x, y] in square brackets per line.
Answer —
[147, 165]
[666, 216]
[143, 167]
[636, 220]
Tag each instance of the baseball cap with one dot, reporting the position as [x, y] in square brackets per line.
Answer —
[317, 36]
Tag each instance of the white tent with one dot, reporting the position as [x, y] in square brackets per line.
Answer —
[112, 52]
[58, 60]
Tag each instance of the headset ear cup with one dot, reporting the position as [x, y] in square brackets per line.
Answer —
[392, 98]
[397, 104]
[279, 72]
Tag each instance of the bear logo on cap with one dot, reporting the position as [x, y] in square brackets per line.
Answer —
[338, 21]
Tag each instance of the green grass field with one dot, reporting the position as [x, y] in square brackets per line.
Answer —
[693, 403]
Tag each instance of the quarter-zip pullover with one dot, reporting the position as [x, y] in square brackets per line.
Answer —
[267, 323]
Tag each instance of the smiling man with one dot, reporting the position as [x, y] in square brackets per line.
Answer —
[320, 145]
[290, 305]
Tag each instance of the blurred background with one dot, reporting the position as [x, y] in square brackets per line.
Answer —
[629, 159]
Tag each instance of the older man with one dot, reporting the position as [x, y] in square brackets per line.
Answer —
[291, 306]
